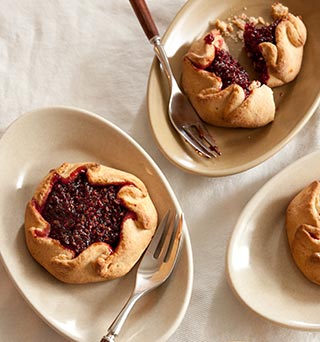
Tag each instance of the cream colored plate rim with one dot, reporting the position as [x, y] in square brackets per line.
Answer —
[260, 268]
[176, 151]
[18, 179]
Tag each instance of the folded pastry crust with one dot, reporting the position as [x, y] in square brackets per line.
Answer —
[228, 107]
[99, 261]
[303, 230]
[284, 59]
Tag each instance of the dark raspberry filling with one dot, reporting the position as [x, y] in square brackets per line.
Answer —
[229, 70]
[253, 36]
[314, 236]
[80, 214]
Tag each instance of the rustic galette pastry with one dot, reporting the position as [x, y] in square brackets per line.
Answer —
[276, 50]
[87, 222]
[303, 230]
[219, 88]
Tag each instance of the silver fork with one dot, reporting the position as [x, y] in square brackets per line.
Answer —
[181, 113]
[154, 269]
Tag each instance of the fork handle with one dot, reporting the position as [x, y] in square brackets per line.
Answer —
[119, 321]
[144, 16]
[146, 21]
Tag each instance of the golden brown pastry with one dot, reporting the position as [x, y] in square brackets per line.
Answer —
[277, 49]
[303, 230]
[220, 89]
[87, 222]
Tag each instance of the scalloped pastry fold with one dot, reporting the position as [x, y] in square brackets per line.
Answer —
[228, 107]
[284, 59]
[303, 230]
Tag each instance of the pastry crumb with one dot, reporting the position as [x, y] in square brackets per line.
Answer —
[240, 23]
[240, 34]
[279, 11]
[234, 26]
[221, 25]
[230, 28]
[253, 20]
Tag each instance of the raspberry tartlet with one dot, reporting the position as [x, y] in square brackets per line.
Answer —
[303, 230]
[219, 88]
[87, 222]
[276, 50]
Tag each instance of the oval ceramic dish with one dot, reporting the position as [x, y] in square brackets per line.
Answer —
[31, 146]
[241, 148]
[260, 267]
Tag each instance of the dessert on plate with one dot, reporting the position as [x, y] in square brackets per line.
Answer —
[303, 230]
[220, 89]
[87, 222]
[276, 50]
[218, 86]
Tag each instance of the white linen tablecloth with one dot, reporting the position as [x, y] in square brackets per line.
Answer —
[94, 55]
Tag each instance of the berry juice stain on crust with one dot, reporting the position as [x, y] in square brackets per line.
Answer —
[81, 214]
[209, 38]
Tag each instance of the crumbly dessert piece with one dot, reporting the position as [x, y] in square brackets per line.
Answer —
[220, 89]
[279, 11]
[276, 50]
[303, 230]
[233, 27]
[87, 222]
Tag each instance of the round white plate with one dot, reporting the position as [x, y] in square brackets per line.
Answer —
[31, 146]
[260, 267]
[241, 148]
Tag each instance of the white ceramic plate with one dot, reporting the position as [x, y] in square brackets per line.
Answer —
[259, 264]
[31, 146]
[242, 148]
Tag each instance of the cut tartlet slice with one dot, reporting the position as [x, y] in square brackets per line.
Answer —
[87, 222]
[276, 50]
[220, 89]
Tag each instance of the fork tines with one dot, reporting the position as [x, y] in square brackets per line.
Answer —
[166, 235]
[198, 136]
